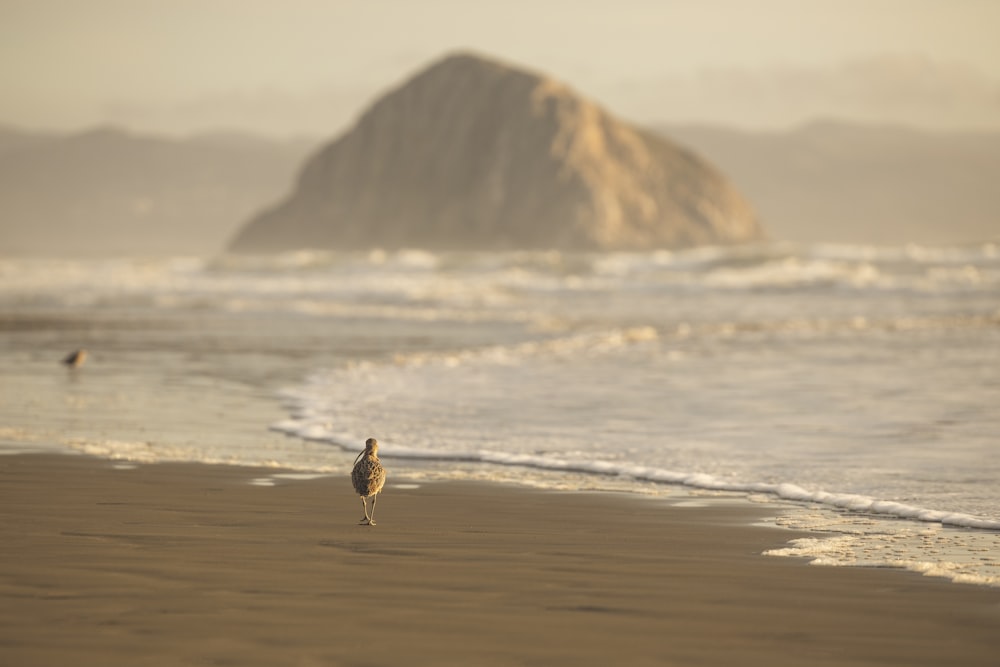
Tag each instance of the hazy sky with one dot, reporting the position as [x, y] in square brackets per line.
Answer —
[305, 66]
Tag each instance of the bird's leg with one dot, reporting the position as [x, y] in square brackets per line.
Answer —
[365, 519]
[371, 519]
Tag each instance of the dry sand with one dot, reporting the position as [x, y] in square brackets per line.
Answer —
[192, 565]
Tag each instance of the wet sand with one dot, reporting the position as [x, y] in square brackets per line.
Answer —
[177, 564]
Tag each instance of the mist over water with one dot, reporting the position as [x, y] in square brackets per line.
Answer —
[861, 381]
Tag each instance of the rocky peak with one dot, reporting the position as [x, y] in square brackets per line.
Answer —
[472, 153]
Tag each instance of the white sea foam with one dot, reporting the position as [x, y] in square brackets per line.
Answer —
[495, 278]
[306, 429]
[530, 404]
[860, 540]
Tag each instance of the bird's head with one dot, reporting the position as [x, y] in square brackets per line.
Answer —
[371, 446]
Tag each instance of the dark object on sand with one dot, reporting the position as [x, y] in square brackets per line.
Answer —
[368, 477]
[76, 358]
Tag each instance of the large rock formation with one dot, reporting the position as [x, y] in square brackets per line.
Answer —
[475, 154]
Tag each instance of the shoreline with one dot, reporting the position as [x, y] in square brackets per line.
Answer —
[176, 385]
[170, 563]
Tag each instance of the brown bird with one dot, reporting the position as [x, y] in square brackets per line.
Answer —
[75, 359]
[368, 477]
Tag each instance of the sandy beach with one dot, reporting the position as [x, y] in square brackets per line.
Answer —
[172, 564]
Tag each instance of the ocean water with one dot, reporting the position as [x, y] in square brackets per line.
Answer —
[858, 388]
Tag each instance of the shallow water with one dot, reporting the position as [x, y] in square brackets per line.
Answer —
[860, 383]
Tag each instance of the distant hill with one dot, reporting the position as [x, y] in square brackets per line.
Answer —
[475, 154]
[840, 182]
[109, 192]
